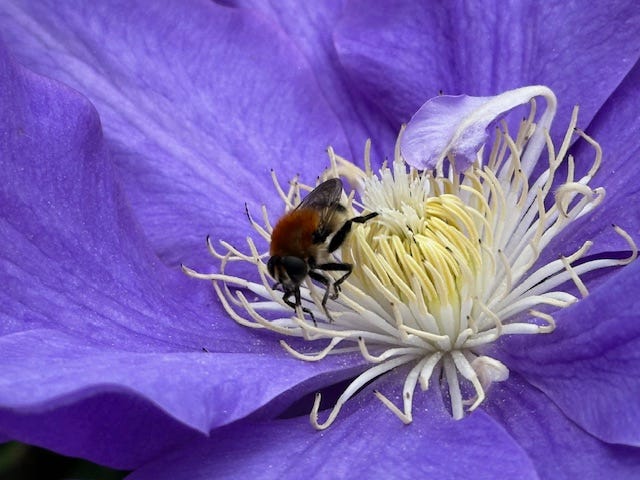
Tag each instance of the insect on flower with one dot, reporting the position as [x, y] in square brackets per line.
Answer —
[300, 244]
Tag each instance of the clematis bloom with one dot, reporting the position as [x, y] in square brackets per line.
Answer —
[175, 116]
[453, 260]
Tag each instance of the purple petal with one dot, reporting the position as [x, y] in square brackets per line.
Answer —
[310, 26]
[58, 392]
[589, 366]
[366, 441]
[90, 319]
[73, 258]
[401, 53]
[198, 103]
[558, 447]
[616, 128]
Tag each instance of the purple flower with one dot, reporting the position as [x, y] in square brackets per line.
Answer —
[150, 128]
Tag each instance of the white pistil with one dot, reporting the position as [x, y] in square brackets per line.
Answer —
[445, 269]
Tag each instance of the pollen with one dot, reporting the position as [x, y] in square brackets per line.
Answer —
[453, 261]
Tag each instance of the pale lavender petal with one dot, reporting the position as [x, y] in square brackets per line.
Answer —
[457, 127]
[427, 138]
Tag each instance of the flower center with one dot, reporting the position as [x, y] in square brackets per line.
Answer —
[423, 252]
[453, 261]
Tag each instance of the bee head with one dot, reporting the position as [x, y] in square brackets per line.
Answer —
[290, 271]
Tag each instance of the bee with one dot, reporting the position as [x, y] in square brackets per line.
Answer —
[300, 244]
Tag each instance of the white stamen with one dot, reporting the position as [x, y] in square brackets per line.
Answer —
[445, 269]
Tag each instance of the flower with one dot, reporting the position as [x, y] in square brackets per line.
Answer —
[103, 338]
[447, 263]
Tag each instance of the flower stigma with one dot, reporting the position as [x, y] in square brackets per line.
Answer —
[453, 261]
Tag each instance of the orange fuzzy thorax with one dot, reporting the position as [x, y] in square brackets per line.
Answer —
[293, 234]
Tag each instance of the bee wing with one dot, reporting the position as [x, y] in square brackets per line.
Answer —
[324, 196]
[325, 199]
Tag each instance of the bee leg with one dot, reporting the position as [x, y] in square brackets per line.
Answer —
[348, 268]
[297, 303]
[324, 281]
[336, 267]
[340, 236]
